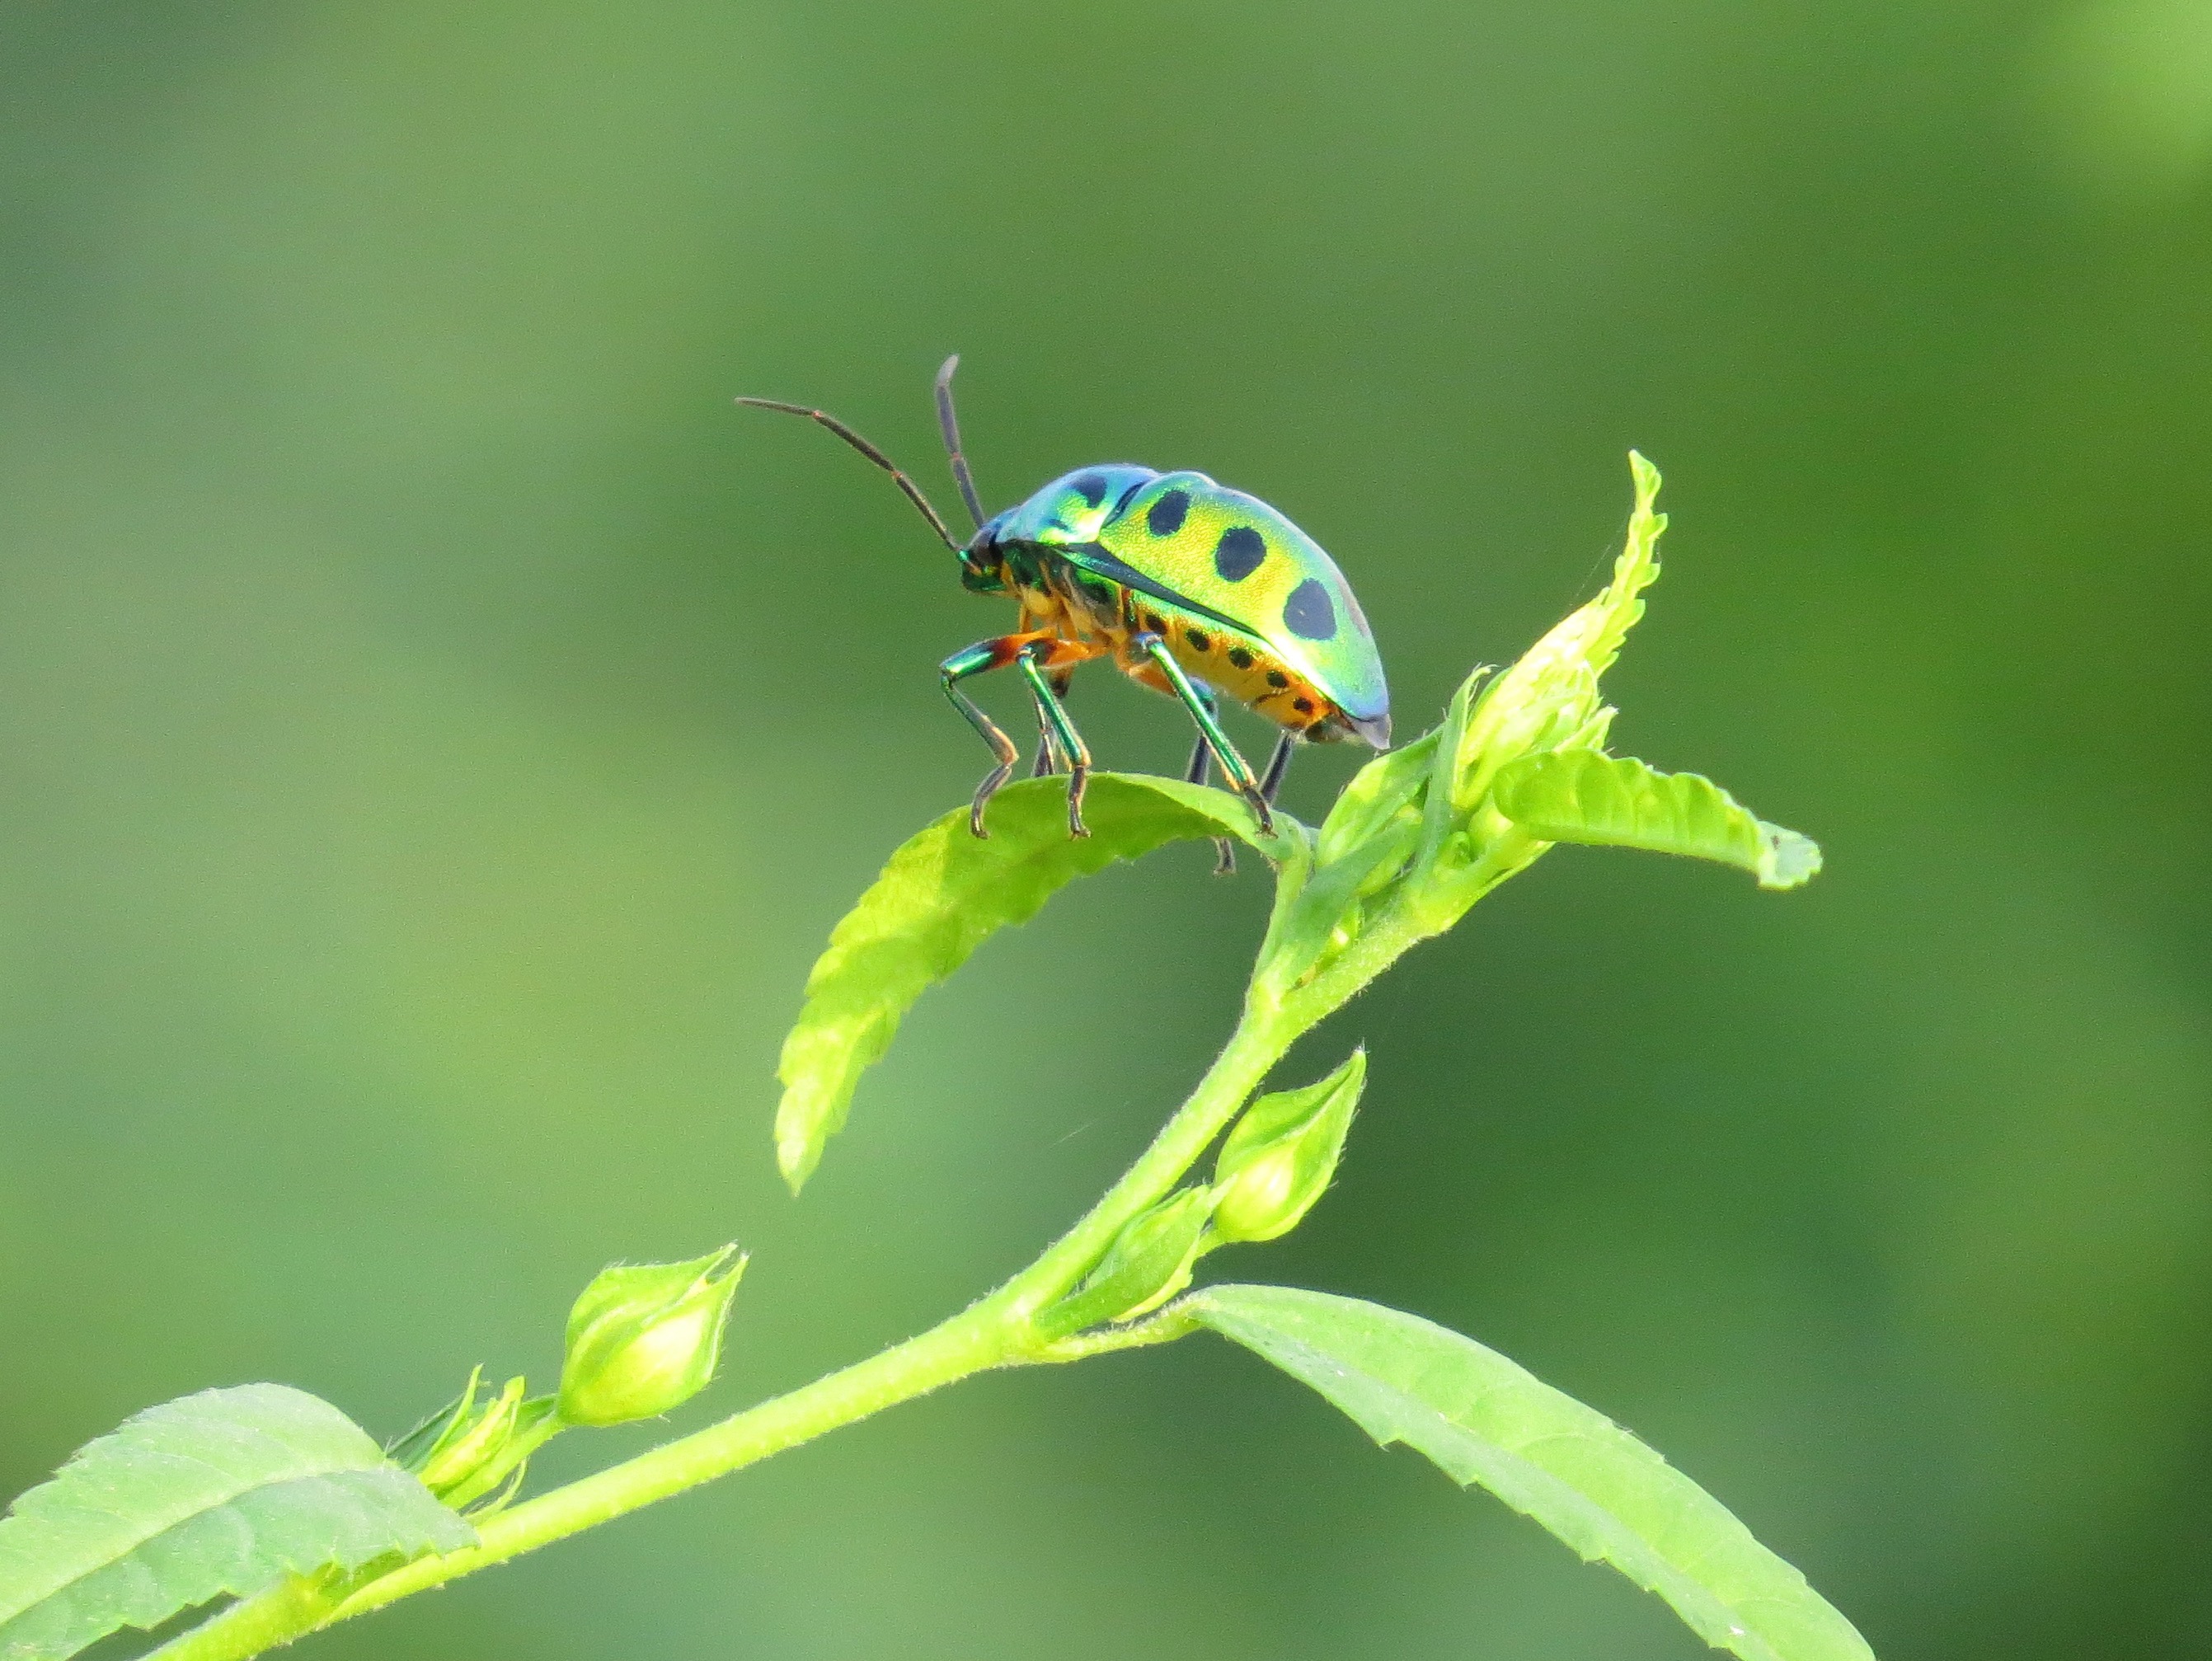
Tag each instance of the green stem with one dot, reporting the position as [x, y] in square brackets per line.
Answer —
[992, 1333]
[1256, 1046]
[972, 1342]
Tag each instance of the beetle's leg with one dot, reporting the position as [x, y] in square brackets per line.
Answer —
[1061, 732]
[1200, 768]
[1048, 754]
[1234, 767]
[1278, 763]
[1201, 764]
[981, 659]
[1042, 650]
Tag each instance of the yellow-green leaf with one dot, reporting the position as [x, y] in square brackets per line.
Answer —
[1583, 795]
[223, 1493]
[941, 896]
[1483, 1419]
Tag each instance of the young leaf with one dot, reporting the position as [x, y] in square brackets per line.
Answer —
[940, 897]
[1552, 691]
[1386, 786]
[226, 1492]
[1484, 1420]
[1583, 795]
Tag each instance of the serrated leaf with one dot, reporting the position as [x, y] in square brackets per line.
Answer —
[1482, 1419]
[940, 897]
[1552, 691]
[224, 1492]
[1617, 801]
[1621, 607]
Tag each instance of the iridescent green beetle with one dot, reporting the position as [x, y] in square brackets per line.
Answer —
[1190, 587]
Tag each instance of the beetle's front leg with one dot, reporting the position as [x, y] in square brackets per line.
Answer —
[1034, 651]
[1061, 731]
[1048, 758]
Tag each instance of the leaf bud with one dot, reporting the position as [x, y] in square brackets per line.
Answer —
[645, 1338]
[1148, 1263]
[1279, 1158]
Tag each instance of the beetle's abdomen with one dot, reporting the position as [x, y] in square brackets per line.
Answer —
[1232, 556]
[1076, 604]
[1241, 667]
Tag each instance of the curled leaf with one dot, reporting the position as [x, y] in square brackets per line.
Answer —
[1552, 691]
[941, 896]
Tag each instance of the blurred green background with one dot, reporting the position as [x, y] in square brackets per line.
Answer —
[439, 731]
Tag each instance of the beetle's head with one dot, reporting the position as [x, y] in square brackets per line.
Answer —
[983, 562]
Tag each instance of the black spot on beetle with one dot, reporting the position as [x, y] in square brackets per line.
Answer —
[1309, 613]
[1303, 705]
[1240, 658]
[1198, 639]
[1277, 679]
[1155, 622]
[1239, 552]
[1165, 515]
[1091, 488]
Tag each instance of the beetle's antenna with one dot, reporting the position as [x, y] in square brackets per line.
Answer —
[950, 423]
[912, 490]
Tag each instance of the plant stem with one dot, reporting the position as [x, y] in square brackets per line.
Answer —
[1260, 1037]
[975, 1340]
[992, 1333]
[972, 1342]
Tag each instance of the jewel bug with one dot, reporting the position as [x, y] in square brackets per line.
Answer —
[1191, 588]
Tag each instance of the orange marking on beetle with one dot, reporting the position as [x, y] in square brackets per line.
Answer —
[1058, 609]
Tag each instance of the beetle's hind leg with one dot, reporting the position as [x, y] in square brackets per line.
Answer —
[1034, 651]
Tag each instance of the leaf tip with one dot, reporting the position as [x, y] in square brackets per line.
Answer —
[1788, 858]
[1646, 477]
[798, 1150]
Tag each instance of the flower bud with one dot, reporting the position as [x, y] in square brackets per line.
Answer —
[1279, 1158]
[1148, 1263]
[467, 1450]
[645, 1338]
